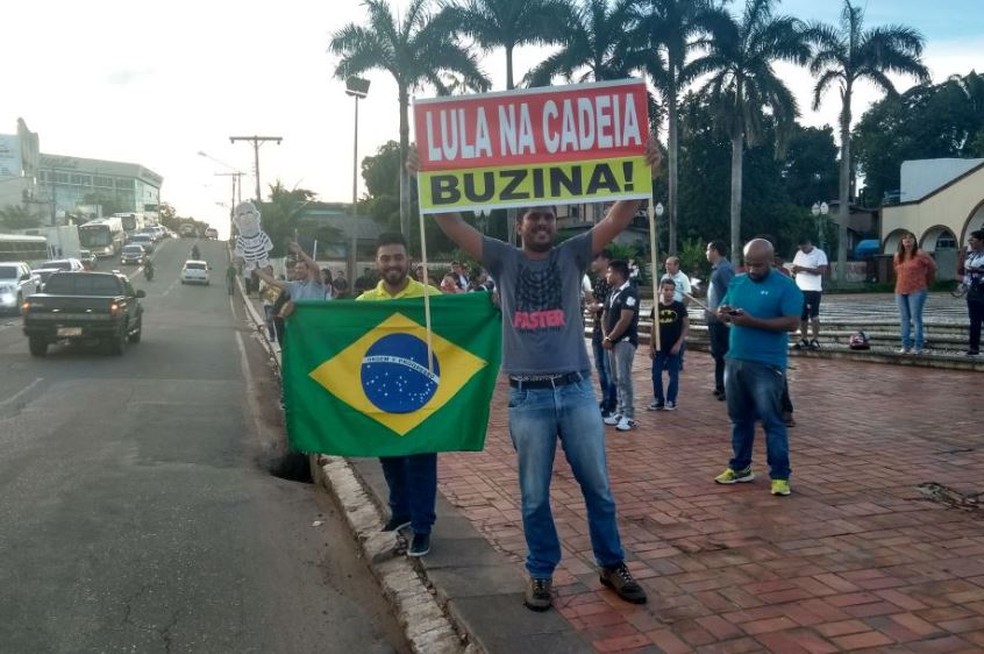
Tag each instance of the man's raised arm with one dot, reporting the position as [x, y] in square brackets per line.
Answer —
[622, 212]
[453, 225]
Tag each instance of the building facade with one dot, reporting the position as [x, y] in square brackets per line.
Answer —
[75, 184]
[53, 187]
[941, 213]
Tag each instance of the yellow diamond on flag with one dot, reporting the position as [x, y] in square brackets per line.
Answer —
[385, 374]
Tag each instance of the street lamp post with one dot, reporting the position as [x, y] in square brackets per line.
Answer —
[358, 88]
[819, 211]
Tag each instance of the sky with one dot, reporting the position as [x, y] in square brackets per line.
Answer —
[156, 83]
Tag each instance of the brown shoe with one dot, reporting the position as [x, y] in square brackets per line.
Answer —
[538, 594]
[619, 579]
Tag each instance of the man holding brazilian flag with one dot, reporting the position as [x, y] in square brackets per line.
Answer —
[367, 378]
[357, 380]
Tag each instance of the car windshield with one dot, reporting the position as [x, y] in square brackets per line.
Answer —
[194, 265]
[133, 249]
[60, 265]
[8, 272]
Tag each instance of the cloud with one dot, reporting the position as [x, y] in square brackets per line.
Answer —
[129, 76]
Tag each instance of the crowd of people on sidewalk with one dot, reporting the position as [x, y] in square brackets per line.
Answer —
[749, 313]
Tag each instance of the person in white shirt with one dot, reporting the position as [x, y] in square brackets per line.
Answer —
[681, 291]
[672, 265]
[809, 267]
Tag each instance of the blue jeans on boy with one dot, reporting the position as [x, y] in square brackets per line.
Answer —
[603, 365]
[911, 310]
[754, 391]
[412, 482]
[537, 418]
[670, 363]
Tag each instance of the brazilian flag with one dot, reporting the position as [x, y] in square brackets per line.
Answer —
[357, 381]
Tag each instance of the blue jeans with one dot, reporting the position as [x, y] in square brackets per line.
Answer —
[911, 310]
[671, 364]
[603, 365]
[754, 391]
[537, 418]
[412, 482]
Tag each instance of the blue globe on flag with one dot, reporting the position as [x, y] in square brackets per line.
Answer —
[395, 376]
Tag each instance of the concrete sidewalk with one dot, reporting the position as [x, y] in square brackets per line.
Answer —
[859, 558]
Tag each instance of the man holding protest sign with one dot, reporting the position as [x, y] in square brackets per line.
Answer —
[544, 353]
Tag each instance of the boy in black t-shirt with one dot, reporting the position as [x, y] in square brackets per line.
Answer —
[674, 323]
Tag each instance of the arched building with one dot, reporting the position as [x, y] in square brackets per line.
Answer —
[942, 201]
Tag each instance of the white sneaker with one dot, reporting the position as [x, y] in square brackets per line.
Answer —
[625, 424]
[670, 406]
[613, 419]
[902, 350]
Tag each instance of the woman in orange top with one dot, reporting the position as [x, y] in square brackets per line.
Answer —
[914, 270]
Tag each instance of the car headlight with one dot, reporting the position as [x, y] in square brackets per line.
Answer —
[7, 296]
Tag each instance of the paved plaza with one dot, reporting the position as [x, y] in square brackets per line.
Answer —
[859, 558]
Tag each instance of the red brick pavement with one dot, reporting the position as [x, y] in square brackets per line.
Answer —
[855, 560]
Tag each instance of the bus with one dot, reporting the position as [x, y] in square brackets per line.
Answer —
[103, 237]
[18, 247]
[132, 222]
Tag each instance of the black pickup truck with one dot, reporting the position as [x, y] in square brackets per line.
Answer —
[84, 306]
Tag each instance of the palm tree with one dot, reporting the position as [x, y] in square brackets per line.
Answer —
[846, 55]
[743, 86]
[415, 51]
[597, 47]
[508, 24]
[512, 23]
[673, 30]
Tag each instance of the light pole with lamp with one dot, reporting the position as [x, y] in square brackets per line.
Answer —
[819, 211]
[358, 88]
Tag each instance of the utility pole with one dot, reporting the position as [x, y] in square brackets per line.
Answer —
[256, 140]
[236, 179]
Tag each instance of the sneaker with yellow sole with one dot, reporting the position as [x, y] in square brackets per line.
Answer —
[730, 476]
[780, 487]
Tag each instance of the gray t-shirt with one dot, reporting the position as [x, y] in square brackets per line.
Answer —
[542, 326]
[306, 290]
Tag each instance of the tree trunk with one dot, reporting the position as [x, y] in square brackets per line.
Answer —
[672, 153]
[844, 195]
[736, 171]
[404, 151]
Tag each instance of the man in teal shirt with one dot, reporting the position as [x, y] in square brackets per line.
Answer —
[762, 307]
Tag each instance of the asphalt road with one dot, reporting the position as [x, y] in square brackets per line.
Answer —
[134, 516]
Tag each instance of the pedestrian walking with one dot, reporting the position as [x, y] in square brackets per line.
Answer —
[551, 395]
[762, 307]
[412, 480]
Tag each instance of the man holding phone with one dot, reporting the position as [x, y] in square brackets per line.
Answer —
[761, 306]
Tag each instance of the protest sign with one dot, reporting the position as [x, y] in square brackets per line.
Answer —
[551, 145]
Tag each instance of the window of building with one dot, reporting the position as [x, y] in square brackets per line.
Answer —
[125, 183]
[103, 182]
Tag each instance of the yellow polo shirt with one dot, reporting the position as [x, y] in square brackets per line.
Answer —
[412, 289]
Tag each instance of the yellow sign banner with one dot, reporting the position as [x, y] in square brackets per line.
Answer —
[569, 182]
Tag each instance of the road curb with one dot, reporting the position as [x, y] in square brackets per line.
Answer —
[427, 627]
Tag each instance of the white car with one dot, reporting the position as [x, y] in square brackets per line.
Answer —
[16, 283]
[194, 272]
